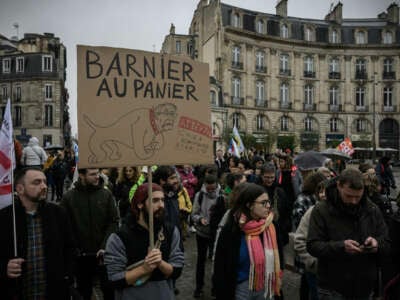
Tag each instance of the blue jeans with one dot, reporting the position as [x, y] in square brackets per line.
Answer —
[333, 295]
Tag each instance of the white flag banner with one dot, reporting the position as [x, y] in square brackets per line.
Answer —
[7, 158]
[238, 139]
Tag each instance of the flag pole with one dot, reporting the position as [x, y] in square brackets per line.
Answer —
[151, 221]
[13, 209]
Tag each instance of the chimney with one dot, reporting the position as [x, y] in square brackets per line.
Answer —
[393, 13]
[281, 8]
[336, 14]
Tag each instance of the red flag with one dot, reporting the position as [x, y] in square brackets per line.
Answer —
[7, 158]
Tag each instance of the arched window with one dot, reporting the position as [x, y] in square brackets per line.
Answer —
[361, 125]
[213, 98]
[333, 125]
[284, 123]
[260, 120]
[236, 120]
[308, 124]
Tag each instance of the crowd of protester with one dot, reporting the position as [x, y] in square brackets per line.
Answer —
[242, 211]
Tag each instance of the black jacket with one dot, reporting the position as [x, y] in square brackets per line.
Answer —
[331, 223]
[58, 249]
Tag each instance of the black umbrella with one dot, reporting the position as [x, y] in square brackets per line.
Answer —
[54, 147]
[309, 160]
[335, 154]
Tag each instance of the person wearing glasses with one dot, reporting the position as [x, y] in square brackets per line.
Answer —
[248, 253]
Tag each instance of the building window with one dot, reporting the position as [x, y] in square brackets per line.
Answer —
[17, 116]
[334, 95]
[17, 93]
[235, 55]
[387, 97]
[284, 31]
[47, 63]
[360, 96]
[361, 69]
[360, 37]
[6, 65]
[213, 98]
[260, 26]
[333, 124]
[48, 115]
[236, 120]
[284, 62]
[260, 119]
[361, 125]
[178, 47]
[4, 92]
[308, 34]
[387, 37]
[48, 92]
[388, 65]
[308, 124]
[334, 37]
[308, 95]
[334, 65]
[235, 20]
[260, 92]
[284, 123]
[236, 87]
[260, 60]
[20, 64]
[284, 93]
[309, 64]
[47, 140]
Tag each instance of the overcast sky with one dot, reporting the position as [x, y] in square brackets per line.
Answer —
[138, 24]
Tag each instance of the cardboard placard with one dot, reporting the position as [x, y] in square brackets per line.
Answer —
[141, 108]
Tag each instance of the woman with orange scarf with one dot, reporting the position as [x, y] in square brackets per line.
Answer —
[248, 255]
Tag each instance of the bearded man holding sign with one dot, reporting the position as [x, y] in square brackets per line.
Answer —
[136, 270]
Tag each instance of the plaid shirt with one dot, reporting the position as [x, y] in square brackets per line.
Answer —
[34, 279]
[300, 206]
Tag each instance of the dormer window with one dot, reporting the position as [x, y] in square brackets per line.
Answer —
[19, 64]
[284, 31]
[235, 20]
[47, 63]
[387, 37]
[308, 34]
[361, 38]
[6, 65]
[178, 46]
[334, 37]
[260, 26]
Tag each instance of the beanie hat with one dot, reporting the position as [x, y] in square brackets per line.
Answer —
[141, 194]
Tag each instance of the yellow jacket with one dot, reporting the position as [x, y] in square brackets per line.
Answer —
[184, 200]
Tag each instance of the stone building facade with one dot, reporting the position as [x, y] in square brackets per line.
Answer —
[316, 80]
[32, 75]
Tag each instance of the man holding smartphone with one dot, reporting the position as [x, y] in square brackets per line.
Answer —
[347, 234]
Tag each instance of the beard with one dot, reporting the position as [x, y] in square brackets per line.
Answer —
[158, 218]
[41, 196]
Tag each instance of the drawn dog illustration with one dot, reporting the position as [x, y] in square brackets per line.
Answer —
[144, 128]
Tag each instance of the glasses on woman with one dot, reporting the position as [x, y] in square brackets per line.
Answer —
[263, 203]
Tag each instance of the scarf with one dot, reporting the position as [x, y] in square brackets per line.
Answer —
[265, 270]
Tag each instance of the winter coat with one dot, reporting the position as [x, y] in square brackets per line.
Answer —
[33, 154]
[58, 249]
[189, 181]
[93, 216]
[331, 223]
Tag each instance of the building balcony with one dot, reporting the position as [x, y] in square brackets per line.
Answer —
[285, 72]
[389, 108]
[334, 75]
[261, 103]
[309, 74]
[335, 107]
[261, 69]
[310, 107]
[285, 105]
[361, 108]
[389, 75]
[237, 65]
[361, 75]
[237, 100]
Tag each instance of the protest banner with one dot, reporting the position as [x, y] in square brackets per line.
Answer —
[141, 108]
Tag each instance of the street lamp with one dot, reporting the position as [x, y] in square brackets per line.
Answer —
[374, 120]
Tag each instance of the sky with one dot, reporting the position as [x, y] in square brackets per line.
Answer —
[138, 24]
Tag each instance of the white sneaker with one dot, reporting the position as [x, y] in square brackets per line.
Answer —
[192, 229]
